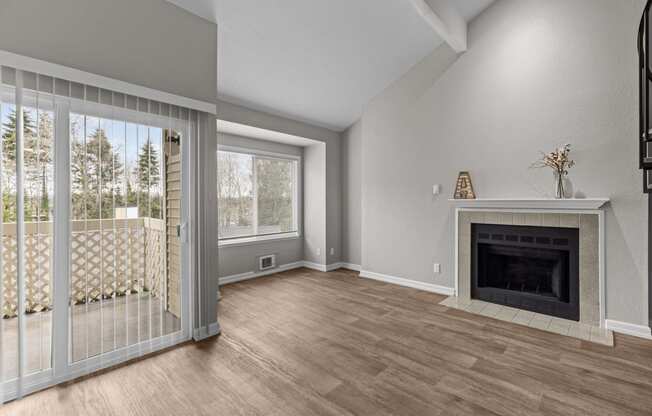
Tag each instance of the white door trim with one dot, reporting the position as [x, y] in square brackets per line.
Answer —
[61, 263]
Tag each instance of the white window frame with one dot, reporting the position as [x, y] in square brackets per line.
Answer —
[297, 195]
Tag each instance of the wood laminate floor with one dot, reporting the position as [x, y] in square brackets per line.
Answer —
[304, 342]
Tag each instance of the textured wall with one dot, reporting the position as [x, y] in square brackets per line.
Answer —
[314, 203]
[537, 74]
[147, 42]
[351, 194]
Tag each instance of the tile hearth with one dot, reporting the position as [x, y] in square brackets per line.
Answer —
[533, 320]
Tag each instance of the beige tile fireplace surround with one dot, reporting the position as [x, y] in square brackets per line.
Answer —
[586, 217]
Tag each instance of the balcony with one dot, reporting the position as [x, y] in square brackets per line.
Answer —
[120, 291]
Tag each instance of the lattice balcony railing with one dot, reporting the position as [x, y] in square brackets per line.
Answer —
[108, 258]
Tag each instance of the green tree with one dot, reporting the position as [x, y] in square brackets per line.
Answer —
[95, 173]
[275, 192]
[9, 208]
[147, 172]
[235, 193]
[132, 196]
[9, 135]
[39, 155]
[37, 158]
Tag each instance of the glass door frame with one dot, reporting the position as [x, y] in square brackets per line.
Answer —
[62, 368]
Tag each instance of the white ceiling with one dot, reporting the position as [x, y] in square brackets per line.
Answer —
[470, 9]
[319, 62]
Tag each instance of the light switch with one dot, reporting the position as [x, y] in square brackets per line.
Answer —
[436, 189]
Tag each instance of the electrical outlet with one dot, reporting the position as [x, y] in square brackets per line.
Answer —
[436, 268]
[332, 251]
[319, 251]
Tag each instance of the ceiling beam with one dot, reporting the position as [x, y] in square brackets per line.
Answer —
[445, 20]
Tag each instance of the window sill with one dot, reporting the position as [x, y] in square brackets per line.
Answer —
[247, 241]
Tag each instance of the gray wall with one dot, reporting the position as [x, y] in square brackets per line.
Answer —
[238, 114]
[204, 265]
[537, 74]
[314, 203]
[333, 195]
[146, 42]
[351, 194]
[236, 260]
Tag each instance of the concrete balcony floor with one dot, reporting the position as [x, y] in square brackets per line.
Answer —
[96, 328]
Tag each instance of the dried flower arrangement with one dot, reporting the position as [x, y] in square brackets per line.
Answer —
[559, 161]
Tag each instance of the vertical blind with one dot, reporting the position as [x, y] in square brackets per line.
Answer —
[91, 203]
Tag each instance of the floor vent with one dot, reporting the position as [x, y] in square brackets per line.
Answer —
[267, 262]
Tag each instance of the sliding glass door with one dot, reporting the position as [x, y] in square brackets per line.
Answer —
[118, 241]
[26, 244]
[93, 203]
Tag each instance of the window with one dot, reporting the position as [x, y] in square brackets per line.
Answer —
[257, 195]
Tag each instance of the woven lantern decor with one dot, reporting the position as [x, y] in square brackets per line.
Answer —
[464, 187]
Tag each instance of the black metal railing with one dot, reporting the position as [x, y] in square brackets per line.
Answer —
[645, 119]
[645, 132]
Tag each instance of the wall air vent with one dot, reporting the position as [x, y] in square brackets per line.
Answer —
[267, 262]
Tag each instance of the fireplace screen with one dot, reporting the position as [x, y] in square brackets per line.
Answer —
[541, 272]
[532, 268]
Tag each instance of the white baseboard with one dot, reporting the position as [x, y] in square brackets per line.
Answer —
[252, 275]
[324, 267]
[333, 266]
[428, 287]
[626, 328]
[351, 266]
[308, 264]
[321, 267]
[314, 266]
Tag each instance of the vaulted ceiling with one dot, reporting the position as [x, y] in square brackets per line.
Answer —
[316, 61]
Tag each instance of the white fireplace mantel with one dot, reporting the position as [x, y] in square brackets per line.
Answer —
[532, 203]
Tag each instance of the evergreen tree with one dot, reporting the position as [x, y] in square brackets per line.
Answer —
[9, 135]
[8, 207]
[45, 198]
[274, 193]
[95, 171]
[37, 156]
[147, 172]
[132, 198]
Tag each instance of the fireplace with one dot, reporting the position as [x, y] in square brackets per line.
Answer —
[531, 268]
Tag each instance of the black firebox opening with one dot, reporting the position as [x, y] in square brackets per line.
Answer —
[532, 268]
[542, 272]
